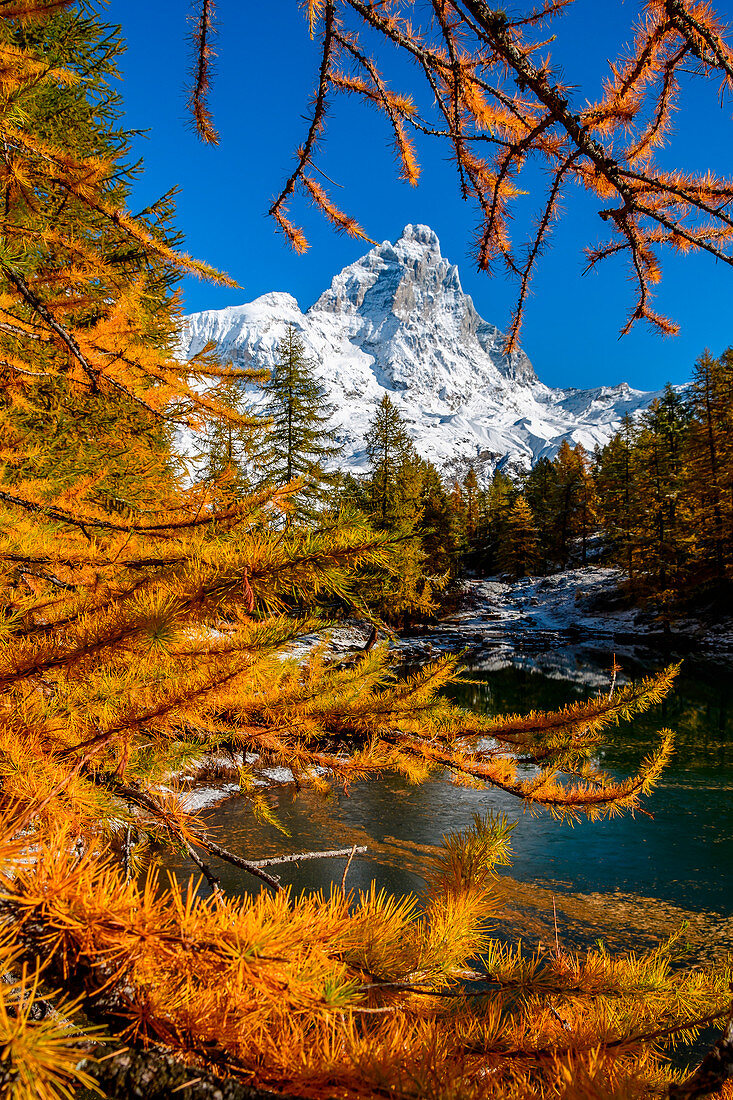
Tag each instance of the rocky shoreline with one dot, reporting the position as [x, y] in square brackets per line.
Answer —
[575, 618]
[563, 625]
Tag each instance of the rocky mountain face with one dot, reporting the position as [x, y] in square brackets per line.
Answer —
[398, 321]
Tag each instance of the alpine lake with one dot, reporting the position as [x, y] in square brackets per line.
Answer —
[629, 881]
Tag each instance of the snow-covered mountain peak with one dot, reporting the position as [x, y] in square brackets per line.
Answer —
[392, 276]
[420, 234]
[404, 304]
[398, 321]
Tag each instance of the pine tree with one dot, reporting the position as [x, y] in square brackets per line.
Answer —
[586, 505]
[710, 470]
[616, 480]
[495, 507]
[389, 450]
[228, 449]
[573, 500]
[725, 404]
[540, 491]
[661, 538]
[665, 485]
[471, 490]
[397, 491]
[518, 550]
[441, 529]
[299, 443]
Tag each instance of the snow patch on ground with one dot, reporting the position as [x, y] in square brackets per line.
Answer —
[568, 626]
[200, 797]
[564, 625]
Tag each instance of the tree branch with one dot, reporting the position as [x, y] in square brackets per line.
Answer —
[715, 1069]
[157, 1076]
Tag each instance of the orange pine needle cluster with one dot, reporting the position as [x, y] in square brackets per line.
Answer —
[493, 86]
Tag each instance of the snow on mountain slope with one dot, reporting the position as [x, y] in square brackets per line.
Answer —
[398, 321]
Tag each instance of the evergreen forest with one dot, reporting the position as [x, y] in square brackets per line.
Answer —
[158, 605]
[656, 501]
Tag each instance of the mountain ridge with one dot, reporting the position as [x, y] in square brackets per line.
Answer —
[397, 321]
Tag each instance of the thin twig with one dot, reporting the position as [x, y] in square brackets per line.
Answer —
[127, 852]
[238, 861]
[615, 669]
[346, 868]
[206, 871]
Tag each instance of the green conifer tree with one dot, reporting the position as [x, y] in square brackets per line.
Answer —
[229, 448]
[442, 534]
[298, 443]
[666, 486]
[616, 482]
[709, 465]
[392, 497]
[540, 491]
[495, 507]
[471, 490]
[389, 449]
[518, 551]
[573, 501]
[585, 517]
[661, 532]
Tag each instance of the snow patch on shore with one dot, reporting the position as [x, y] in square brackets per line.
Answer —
[200, 797]
[568, 625]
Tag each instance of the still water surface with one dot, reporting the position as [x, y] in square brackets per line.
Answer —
[631, 880]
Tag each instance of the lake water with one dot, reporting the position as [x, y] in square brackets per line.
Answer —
[629, 880]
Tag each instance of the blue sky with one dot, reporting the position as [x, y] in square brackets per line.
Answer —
[264, 75]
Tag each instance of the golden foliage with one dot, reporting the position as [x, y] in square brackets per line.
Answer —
[341, 995]
[145, 626]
